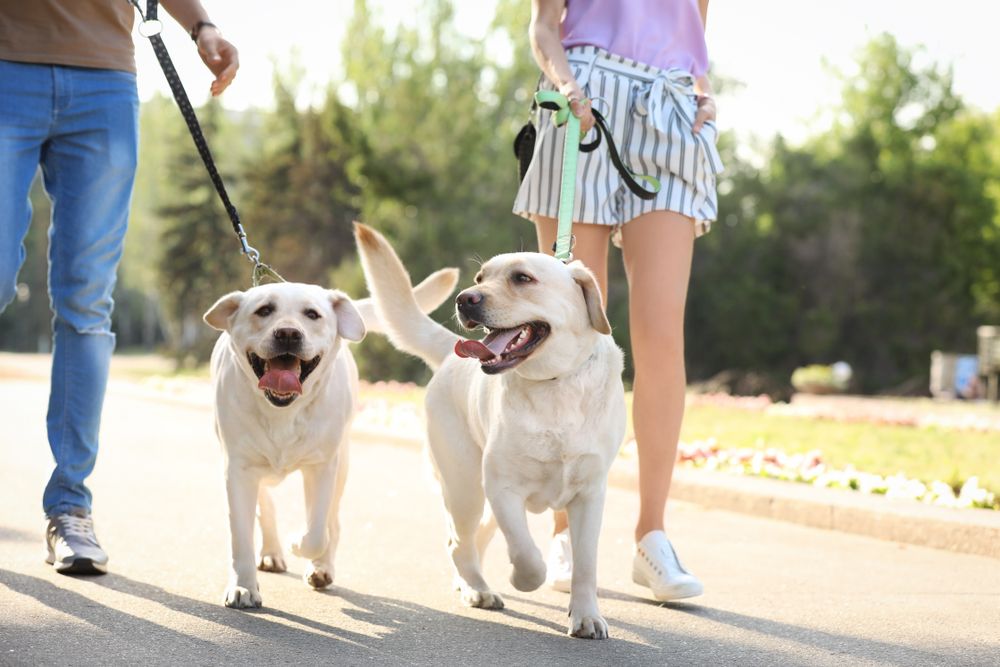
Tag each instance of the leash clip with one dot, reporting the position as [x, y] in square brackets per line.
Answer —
[567, 257]
[150, 28]
[252, 253]
[261, 271]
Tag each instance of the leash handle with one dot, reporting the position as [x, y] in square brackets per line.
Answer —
[151, 28]
[563, 115]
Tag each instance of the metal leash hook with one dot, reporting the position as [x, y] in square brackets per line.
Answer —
[149, 27]
[261, 271]
[572, 244]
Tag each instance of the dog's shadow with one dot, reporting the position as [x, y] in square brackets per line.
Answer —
[848, 645]
[370, 628]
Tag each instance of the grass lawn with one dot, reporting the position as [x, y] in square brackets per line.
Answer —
[927, 454]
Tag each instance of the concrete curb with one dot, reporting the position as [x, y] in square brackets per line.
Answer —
[967, 530]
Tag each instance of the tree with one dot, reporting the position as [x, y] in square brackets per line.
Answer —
[436, 171]
[199, 257]
[876, 242]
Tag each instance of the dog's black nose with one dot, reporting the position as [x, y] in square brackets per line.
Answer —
[469, 298]
[288, 336]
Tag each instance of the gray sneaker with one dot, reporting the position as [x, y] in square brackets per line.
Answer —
[72, 545]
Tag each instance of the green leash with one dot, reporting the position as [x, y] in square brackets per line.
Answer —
[571, 151]
[563, 115]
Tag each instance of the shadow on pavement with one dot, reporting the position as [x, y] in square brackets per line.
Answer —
[89, 646]
[403, 632]
[828, 642]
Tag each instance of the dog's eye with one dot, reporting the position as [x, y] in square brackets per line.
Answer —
[479, 278]
[264, 311]
[312, 314]
[521, 277]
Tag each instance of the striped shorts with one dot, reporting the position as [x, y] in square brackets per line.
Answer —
[650, 112]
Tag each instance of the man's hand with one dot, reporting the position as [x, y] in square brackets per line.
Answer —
[219, 56]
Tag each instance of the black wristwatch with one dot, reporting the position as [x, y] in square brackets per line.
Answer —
[196, 30]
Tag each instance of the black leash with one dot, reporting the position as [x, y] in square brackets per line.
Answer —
[150, 29]
[601, 125]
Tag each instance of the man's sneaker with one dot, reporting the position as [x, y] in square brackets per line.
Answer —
[656, 566]
[72, 545]
[559, 564]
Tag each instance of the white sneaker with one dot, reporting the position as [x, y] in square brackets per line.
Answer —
[559, 564]
[657, 567]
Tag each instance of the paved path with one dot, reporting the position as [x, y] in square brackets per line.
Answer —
[776, 593]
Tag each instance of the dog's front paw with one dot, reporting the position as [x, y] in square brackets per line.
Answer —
[319, 577]
[587, 626]
[272, 563]
[310, 545]
[481, 599]
[529, 572]
[238, 597]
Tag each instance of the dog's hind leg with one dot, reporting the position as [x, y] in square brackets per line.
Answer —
[271, 557]
[320, 573]
[458, 462]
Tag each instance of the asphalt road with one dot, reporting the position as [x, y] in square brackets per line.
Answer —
[776, 593]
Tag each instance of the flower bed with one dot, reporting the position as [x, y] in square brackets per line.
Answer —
[395, 409]
[809, 468]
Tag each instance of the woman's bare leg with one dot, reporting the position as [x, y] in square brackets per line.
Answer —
[657, 250]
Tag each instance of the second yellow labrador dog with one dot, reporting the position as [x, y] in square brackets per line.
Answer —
[285, 392]
[535, 424]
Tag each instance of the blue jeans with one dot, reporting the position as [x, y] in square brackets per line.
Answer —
[81, 126]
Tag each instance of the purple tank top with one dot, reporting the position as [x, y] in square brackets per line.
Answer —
[662, 33]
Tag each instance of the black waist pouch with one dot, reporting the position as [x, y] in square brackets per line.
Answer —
[524, 148]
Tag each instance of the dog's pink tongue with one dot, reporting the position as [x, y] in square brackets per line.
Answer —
[473, 349]
[491, 346]
[281, 381]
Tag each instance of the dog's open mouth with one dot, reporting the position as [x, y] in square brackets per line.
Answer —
[281, 377]
[502, 349]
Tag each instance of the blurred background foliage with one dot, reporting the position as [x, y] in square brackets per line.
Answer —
[875, 242]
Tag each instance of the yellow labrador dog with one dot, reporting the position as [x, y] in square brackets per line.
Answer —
[535, 424]
[285, 392]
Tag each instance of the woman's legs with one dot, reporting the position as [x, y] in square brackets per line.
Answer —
[591, 246]
[657, 250]
[592, 249]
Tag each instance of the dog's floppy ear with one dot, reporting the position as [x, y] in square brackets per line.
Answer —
[350, 325]
[218, 315]
[591, 295]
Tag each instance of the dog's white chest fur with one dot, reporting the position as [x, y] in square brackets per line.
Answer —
[553, 439]
[281, 440]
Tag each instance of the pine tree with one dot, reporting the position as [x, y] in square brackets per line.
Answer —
[199, 258]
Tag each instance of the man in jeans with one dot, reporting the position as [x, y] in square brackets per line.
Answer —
[68, 103]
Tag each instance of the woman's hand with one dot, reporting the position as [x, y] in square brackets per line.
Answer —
[706, 111]
[219, 56]
[579, 105]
